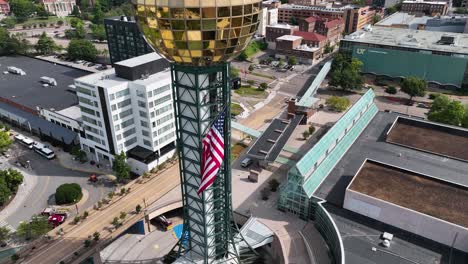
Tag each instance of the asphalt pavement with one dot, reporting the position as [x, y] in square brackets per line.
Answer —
[41, 181]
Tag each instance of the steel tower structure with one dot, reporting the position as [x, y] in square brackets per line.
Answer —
[200, 37]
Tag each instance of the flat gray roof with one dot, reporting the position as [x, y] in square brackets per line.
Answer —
[28, 91]
[400, 18]
[140, 60]
[371, 144]
[417, 39]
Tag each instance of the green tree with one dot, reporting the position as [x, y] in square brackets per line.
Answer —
[251, 67]
[68, 193]
[233, 72]
[9, 22]
[263, 86]
[345, 72]
[305, 134]
[138, 209]
[243, 56]
[5, 192]
[42, 12]
[123, 215]
[447, 111]
[293, 21]
[98, 14]
[391, 10]
[5, 233]
[120, 166]
[75, 21]
[45, 45]
[338, 103]
[75, 11]
[80, 49]
[5, 140]
[413, 86]
[13, 178]
[376, 19]
[292, 60]
[96, 236]
[22, 9]
[98, 32]
[37, 227]
[12, 44]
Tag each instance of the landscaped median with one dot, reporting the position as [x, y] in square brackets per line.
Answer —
[250, 91]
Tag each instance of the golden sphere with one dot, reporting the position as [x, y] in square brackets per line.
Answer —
[198, 32]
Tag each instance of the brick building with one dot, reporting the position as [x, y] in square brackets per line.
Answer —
[275, 31]
[331, 29]
[423, 7]
[312, 39]
[287, 11]
[4, 7]
[293, 46]
[306, 2]
[356, 18]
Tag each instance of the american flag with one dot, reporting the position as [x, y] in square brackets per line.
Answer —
[213, 152]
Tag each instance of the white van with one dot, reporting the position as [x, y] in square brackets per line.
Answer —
[246, 162]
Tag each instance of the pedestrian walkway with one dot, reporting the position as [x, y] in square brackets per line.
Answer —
[66, 160]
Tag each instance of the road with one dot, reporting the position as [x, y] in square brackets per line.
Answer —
[73, 239]
[40, 183]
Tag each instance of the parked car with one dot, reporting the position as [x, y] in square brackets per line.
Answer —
[424, 105]
[246, 162]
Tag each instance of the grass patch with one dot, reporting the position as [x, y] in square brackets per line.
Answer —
[236, 109]
[236, 150]
[254, 47]
[251, 91]
[263, 75]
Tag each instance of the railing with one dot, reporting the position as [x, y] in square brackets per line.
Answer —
[327, 227]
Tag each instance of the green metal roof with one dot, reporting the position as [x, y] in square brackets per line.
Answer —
[308, 99]
[327, 165]
[306, 165]
[247, 130]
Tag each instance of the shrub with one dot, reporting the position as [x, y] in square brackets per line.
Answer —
[433, 96]
[251, 82]
[338, 104]
[87, 243]
[110, 195]
[263, 86]
[122, 215]
[96, 235]
[99, 204]
[14, 257]
[85, 214]
[391, 90]
[68, 193]
[274, 184]
[311, 129]
[138, 209]
[305, 134]
[122, 191]
[76, 219]
[115, 221]
[265, 193]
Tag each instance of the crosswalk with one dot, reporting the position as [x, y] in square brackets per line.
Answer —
[3, 223]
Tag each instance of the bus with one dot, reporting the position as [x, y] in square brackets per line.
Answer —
[44, 151]
[25, 141]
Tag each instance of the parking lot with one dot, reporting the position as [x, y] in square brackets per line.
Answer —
[40, 183]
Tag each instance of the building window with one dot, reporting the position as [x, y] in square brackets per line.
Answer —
[164, 119]
[144, 124]
[141, 104]
[114, 107]
[122, 93]
[130, 141]
[88, 111]
[117, 127]
[127, 123]
[124, 103]
[126, 113]
[143, 114]
[129, 132]
[145, 133]
[146, 142]
[140, 94]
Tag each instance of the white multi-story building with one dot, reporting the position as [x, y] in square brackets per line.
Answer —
[129, 109]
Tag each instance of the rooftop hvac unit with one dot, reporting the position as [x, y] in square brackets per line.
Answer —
[16, 70]
[48, 80]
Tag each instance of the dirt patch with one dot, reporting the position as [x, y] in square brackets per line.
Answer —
[414, 191]
[431, 140]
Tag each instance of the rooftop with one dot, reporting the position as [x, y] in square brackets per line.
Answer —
[409, 189]
[109, 79]
[72, 112]
[27, 90]
[424, 2]
[153, 56]
[417, 39]
[318, 8]
[333, 23]
[310, 36]
[289, 38]
[400, 18]
[371, 144]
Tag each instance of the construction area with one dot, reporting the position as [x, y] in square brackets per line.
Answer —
[431, 137]
[421, 193]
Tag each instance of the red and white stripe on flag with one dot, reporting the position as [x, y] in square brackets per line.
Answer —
[212, 153]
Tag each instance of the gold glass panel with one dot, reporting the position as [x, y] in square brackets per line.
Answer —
[177, 59]
[163, 12]
[167, 34]
[209, 24]
[193, 13]
[209, 12]
[224, 11]
[237, 10]
[196, 53]
[195, 45]
[236, 21]
[178, 24]
[152, 22]
[216, 58]
[169, 44]
[184, 52]
[179, 35]
[223, 23]
[193, 25]
[164, 24]
[162, 2]
[190, 3]
[187, 59]
[150, 2]
[194, 35]
[178, 13]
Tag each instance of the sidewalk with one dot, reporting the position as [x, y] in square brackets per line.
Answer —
[66, 160]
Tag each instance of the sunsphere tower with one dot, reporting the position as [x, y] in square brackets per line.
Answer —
[200, 37]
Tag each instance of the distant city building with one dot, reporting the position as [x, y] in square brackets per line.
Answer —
[271, 4]
[424, 7]
[438, 57]
[306, 2]
[356, 18]
[383, 3]
[263, 21]
[4, 7]
[60, 8]
[129, 109]
[275, 31]
[331, 29]
[124, 39]
[288, 12]
[305, 46]
[455, 24]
